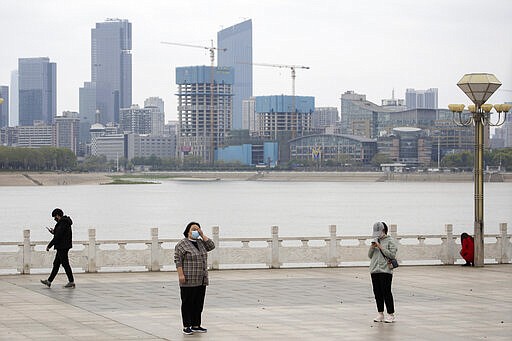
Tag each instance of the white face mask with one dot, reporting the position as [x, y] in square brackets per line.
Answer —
[195, 234]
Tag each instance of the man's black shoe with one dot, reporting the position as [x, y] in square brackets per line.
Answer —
[199, 329]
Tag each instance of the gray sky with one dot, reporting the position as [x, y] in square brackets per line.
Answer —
[369, 46]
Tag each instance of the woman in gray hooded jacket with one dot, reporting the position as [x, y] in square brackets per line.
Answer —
[383, 248]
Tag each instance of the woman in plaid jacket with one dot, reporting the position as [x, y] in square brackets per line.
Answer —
[191, 258]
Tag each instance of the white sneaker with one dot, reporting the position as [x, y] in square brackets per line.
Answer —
[379, 318]
[390, 318]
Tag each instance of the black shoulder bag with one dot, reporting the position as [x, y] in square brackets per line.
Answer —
[392, 263]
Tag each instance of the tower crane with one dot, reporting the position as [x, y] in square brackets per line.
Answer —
[212, 60]
[292, 68]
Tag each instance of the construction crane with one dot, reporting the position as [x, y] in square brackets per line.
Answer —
[292, 68]
[212, 84]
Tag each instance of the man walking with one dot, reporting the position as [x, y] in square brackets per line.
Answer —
[62, 242]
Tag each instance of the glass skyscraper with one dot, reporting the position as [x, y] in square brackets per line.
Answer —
[237, 40]
[111, 68]
[4, 106]
[37, 84]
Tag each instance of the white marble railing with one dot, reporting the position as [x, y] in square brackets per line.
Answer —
[275, 252]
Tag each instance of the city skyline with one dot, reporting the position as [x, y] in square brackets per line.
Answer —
[369, 47]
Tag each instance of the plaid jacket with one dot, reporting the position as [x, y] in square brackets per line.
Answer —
[193, 261]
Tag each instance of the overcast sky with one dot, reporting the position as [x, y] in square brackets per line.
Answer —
[369, 46]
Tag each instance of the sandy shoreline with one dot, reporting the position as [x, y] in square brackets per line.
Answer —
[65, 179]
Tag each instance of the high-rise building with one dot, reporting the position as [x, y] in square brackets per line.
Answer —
[275, 114]
[237, 40]
[4, 106]
[203, 121]
[421, 99]
[37, 90]
[13, 100]
[155, 102]
[325, 116]
[67, 130]
[110, 88]
[156, 106]
[135, 120]
[249, 115]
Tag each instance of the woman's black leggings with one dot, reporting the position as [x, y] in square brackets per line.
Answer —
[381, 283]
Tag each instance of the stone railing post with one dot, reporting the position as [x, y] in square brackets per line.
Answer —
[215, 252]
[504, 245]
[155, 250]
[448, 256]
[332, 259]
[27, 250]
[91, 252]
[274, 264]
[393, 230]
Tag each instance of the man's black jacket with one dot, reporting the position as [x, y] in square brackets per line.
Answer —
[62, 234]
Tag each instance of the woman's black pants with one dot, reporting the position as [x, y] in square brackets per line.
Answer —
[61, 258]
[381, 283]
[192, 301]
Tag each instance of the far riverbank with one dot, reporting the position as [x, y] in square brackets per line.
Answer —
[64, 179]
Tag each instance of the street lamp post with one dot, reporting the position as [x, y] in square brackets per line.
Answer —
[479, 87]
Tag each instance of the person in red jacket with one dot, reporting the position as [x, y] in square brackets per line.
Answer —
[468, 249]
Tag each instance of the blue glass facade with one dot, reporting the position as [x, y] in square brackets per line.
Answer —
[111, 67]
[244, 154]
[37, 90]
[4, 106]
[202, 74]
[237, 40]
[282, 103]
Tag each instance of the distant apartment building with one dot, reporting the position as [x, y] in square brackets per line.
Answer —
[157, 119]
[67, 130]
[159, 146]
[278, 114]
[4, 106]
[37, 90]
[40, 134]
[135, 120]
[324, 117]
[155, 102]
[110, 88]
[235, 50]
[422, 99]
[204, 121]
[249, 121]
[130, 145]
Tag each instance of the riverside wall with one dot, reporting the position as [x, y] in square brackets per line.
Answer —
[63, 179]
[332, 250]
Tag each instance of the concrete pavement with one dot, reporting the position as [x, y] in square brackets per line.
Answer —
[432, 303]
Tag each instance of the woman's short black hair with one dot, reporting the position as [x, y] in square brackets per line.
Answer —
[185, 233]
[385, 227]
[57, 212]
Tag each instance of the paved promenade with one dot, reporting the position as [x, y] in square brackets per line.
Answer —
[432, 303]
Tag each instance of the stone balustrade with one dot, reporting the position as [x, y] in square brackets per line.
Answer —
[157, 254]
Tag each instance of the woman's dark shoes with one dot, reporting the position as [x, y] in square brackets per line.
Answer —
[70, 285]
[199, 329]
[187, 331]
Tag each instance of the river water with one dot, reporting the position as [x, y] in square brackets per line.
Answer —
[249, 209]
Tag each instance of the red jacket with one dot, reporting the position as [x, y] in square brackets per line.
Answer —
[468, 249]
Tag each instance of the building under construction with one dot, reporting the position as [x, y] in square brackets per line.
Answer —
[204, 109]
